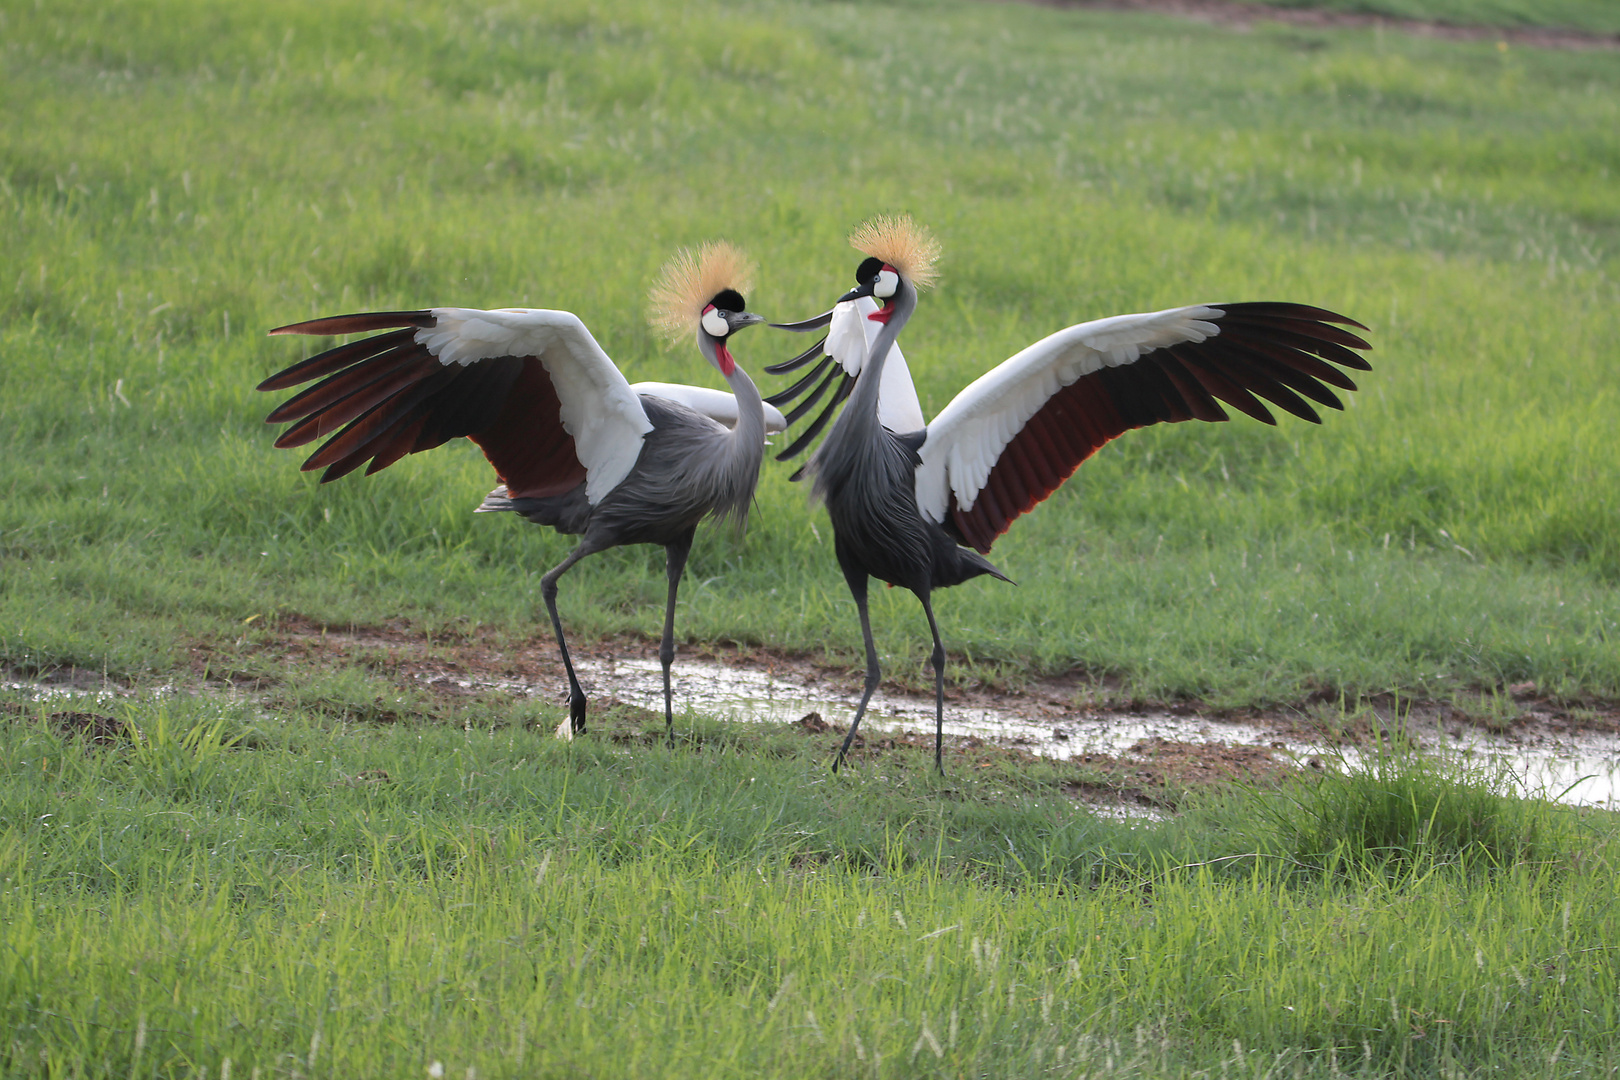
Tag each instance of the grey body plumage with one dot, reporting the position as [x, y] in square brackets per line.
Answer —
[585, 452]
[690, 468]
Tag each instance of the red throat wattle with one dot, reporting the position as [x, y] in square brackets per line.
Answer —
[727, 364]
[882, 314]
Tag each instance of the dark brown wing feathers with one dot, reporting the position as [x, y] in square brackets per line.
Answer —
[335, 360]
[362, 323]
[386, 396]
[1274, 351]
[342, 397]
[526, 442]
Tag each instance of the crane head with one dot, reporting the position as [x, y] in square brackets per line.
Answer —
[723, 316]
[879, 280]
[900, 259]
[701, 291]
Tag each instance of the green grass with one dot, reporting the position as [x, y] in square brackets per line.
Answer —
[358, 880]
[176, 177]
[345, 900]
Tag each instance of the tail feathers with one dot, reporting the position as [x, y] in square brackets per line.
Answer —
[568, 513]
[981, 565]
[969, 565]
[495, 501]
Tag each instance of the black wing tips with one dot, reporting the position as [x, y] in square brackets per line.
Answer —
[359, 323]
[808, 388]
[1281, 352]
[404, 325]
[805, 326]
[809, 434]
[1300, 326]
[798, 361]
[1282, 309]
[366, 387]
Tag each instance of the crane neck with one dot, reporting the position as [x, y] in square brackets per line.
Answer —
[749, 434]
[863, 405]
[748, 437]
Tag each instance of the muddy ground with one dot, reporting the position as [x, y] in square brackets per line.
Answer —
[1117, 750]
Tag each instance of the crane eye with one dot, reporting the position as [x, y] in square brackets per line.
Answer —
[715, 323]
[867, 270]
[887, 282]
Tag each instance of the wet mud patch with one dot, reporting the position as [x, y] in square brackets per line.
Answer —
[1162, 763]
[1133, 751]
[94, 728]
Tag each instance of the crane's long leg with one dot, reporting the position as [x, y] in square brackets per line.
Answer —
[939, 685]
[548, 590]
[674, 566]
[857, 587]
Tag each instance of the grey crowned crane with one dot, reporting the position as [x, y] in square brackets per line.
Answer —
[574, 445]
[919, 505]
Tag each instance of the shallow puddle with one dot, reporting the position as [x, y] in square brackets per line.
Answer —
[36, 691]
[714, 689]
[1582, 769]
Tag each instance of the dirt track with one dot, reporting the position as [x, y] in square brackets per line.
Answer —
[1148, 751]
[1244, 16]
[1121, 751]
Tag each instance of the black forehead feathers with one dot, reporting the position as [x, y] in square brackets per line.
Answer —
[730, 300]
[869, 269]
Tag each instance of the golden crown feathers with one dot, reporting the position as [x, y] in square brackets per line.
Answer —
[690, 281]
[903, 244]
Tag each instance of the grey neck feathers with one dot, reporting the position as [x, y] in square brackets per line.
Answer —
[858, 438]
[860, 416]
[744, 451]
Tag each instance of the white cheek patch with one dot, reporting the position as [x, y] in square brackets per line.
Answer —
[715, 323]
[885, 285]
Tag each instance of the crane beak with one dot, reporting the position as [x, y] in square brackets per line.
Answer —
[825, 317]
[743, 319]
[806, 325]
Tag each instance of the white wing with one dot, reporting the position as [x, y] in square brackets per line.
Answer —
[967, 437]
[600, 411]
[717, 405]
[850, 337]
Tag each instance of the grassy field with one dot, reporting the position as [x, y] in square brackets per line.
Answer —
[264, 881]
[178, 177]
[361, 901]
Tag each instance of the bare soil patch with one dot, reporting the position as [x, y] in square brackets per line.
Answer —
[1256, 746]
[1188, 746]
[1244, 16]
[95, 728]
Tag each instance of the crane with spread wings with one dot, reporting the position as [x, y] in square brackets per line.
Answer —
[919, 504]
[574, 445]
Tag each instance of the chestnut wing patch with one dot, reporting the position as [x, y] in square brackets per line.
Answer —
[1282, 353]
[526, 443]
[386, 396]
